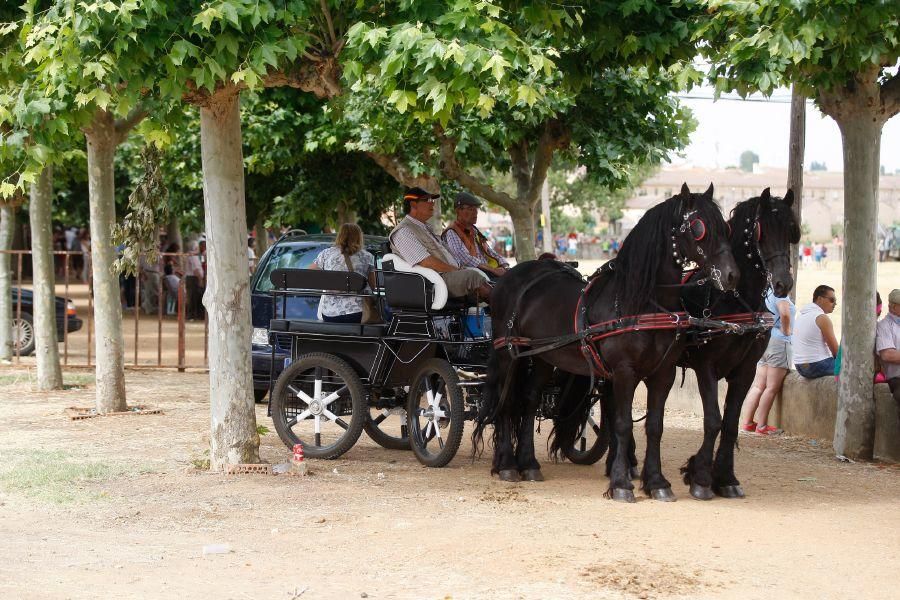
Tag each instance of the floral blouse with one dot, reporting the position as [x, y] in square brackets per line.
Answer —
[331, 259]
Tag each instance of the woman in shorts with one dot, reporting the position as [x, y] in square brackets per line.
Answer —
[771, 369]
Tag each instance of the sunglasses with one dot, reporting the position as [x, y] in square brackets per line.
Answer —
[832, 299]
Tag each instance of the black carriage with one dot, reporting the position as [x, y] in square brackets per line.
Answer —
[410, 382]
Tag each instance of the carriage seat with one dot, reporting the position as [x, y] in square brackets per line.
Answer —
[308, 326]
[411, 286]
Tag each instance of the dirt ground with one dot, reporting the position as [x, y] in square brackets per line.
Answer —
[115, 507]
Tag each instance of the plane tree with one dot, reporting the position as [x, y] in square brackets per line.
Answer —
[597, 94]
[843, 55]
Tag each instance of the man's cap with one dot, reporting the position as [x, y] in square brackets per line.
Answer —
[894, 297]
[465, 199]
[417, 193]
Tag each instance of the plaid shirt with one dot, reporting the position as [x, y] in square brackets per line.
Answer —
[410, 249]
[459, 250]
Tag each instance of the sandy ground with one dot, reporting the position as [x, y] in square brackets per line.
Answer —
[113, 507]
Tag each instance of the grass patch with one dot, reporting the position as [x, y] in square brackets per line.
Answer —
[71, 381]
[10, 380]
[78, 380]
[57, 477]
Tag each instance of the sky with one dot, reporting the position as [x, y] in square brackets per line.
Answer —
[728, 127]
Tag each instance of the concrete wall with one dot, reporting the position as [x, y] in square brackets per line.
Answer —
[809, 408]
[806, 408]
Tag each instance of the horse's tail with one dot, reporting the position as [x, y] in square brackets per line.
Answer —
[505, 383]
[571, 417]
[490, 401]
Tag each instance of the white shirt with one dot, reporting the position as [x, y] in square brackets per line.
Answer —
[809, 343]
[887, 337]
[331, 259]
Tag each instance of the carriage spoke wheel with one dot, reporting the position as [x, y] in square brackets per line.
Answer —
[593, 440]
[388, 427]
[319, 401]
[435, 413]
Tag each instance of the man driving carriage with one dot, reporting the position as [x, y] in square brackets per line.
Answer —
[415, 241]
[468, 245]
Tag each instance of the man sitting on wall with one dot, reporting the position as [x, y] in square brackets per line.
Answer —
[814, 343]
[469, 246]
[415, 241]
[887, 344]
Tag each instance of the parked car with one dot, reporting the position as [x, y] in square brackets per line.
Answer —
[23, 323]
[292, 251]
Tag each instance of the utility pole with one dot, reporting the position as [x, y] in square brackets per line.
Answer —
[545, 216]
[797, 149]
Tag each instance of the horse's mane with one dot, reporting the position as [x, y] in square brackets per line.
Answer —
[641, 256]
[768, 219]
[746, 209]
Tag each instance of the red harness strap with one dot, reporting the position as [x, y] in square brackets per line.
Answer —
[599, 331]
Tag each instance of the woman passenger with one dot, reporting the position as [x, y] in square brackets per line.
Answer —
[348, 251]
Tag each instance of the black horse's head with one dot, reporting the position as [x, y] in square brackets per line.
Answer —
[763, 230]
[699, 235]
[687, 228]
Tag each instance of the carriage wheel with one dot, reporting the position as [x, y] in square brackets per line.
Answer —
[593, 441]
[388, 427]
[319, 401]
[435, 413]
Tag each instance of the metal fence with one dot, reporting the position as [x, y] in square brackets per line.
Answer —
[153, 338]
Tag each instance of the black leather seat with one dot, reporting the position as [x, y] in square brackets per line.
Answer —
[306, 326]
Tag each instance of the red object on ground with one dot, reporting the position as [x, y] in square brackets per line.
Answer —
[298, 452]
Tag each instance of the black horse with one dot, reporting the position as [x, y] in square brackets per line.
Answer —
[547, 301]
[762, 230]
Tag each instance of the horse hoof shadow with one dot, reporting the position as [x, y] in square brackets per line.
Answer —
[701, 492]
[532, 475]
[663, 494]
[509, 475]
[622, 495]
[730, 491]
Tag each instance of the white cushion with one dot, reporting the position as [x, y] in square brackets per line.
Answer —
[440, 288]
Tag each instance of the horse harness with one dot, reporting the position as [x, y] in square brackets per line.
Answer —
[588, 334]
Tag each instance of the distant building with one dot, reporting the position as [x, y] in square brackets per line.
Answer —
[823, 194]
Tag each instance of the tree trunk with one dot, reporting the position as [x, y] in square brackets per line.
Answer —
[46, 350]
[233, 436]
[854, 434]
[7, 225]
[262, 236]
[397, 169]
[523, 224]
[173, 233]
[109, 344]
[797, 149]
[345, 213]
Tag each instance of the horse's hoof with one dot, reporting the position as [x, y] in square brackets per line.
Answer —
[509, 475]
[532, 475]
[701, 492]
[622, 495]
[663, 494]
[635, 473]
[730, 491]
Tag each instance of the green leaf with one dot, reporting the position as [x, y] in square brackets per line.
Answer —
[205, 18]
[497, 64]
[231, 14]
